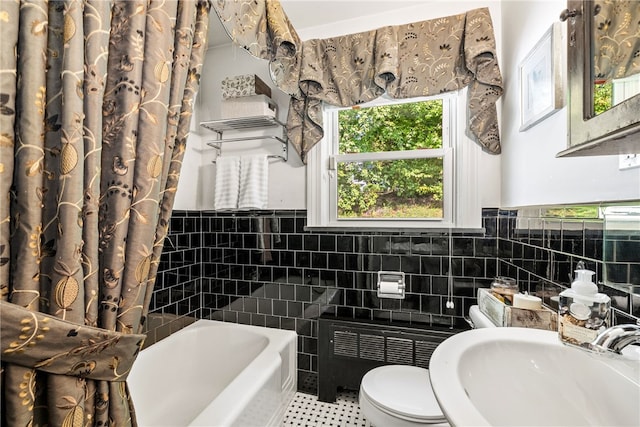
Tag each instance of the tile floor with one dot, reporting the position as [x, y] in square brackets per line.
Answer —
[306, 411]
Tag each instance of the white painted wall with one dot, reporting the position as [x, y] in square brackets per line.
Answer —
[188, 185]
[287, 181]
[526, 174]
[531, 174]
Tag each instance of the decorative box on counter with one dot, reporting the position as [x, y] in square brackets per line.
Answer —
[248, 106]
[506, 315]
[244, 85]
[583, 311]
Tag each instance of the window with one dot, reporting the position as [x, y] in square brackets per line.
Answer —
[394, 164]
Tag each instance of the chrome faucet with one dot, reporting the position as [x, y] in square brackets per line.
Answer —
[617, 337]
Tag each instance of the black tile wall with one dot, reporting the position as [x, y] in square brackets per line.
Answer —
[177, 294]
[263, 268]
[542, 254]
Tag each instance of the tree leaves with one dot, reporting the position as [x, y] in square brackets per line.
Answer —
[363, 186]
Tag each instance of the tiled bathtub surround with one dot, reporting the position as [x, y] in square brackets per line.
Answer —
[266, 270]
[178, 291]
[263, 268]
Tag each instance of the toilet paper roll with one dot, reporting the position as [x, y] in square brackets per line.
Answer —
[529, 302]
[390, 288]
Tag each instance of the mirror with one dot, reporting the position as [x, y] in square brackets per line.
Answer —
[615, 49]
[603, 58]
[605, 237]
[621, 251]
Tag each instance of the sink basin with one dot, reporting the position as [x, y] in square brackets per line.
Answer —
[518, 376]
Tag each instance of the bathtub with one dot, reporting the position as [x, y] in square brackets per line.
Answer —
[213, 373]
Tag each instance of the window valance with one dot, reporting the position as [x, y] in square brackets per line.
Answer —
[616, 43]
[417, 59]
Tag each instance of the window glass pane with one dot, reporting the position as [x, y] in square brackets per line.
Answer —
[391, 189]
[397, 127]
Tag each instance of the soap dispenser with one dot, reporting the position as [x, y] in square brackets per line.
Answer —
[583, 311]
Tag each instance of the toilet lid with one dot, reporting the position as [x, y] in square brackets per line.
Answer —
[402, 390]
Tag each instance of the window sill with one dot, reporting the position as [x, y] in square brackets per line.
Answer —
[405, 229]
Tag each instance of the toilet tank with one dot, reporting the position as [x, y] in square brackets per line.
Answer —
[478, 319]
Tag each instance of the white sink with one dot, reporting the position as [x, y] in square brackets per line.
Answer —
[526, 377]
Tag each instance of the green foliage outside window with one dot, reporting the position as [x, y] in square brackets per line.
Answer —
[587, 211]
[602, 97]
[399, 188]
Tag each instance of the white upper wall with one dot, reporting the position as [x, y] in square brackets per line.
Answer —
[531, 174]
[287, 181]
[526, 174]
[188, 185]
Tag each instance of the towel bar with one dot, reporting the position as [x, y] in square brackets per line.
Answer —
[270, 156]
[243, 123]
[217, 144]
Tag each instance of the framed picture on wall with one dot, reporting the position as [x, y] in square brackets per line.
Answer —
[541, 86]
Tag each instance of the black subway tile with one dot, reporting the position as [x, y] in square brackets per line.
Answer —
[244, 318]
[294, 309]
[440, 246]
[311, 242]
[400, 244]
[431, 265]
[344, 279]
[336, 261]
[287, 292]
[410, 264]
[344, 243]
[287, 225]
[319, 260]
[303, 293]
[279, 274]
[391, 263]
[301, 223]
[328, 243]
[303, 259]
[215, 258]
[381, 244]
[294, 242]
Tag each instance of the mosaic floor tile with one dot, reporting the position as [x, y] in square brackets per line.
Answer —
[306, 411]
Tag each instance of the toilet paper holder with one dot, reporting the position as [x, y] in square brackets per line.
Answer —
[391, 284]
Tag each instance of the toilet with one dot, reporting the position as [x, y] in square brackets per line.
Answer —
[401, 396]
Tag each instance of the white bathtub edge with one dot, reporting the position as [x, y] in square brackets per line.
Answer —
[228, 407]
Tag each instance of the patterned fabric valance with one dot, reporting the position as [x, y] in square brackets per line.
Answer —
[616, 30]
[417, 59]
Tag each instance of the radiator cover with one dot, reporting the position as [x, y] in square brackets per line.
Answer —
[347, 349]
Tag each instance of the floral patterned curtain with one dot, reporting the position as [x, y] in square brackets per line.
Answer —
[616, 36]
[418, 59]
[96, 101]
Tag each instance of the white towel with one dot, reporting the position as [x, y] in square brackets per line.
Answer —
[254, 182]
[227, 183]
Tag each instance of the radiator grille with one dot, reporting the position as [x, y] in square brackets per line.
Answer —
[424, 349]
[380, 348]
[348, 349]
[345, 344]
[400, 351]
[372, 347]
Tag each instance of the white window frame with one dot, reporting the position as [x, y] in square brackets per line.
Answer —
[461, 208]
